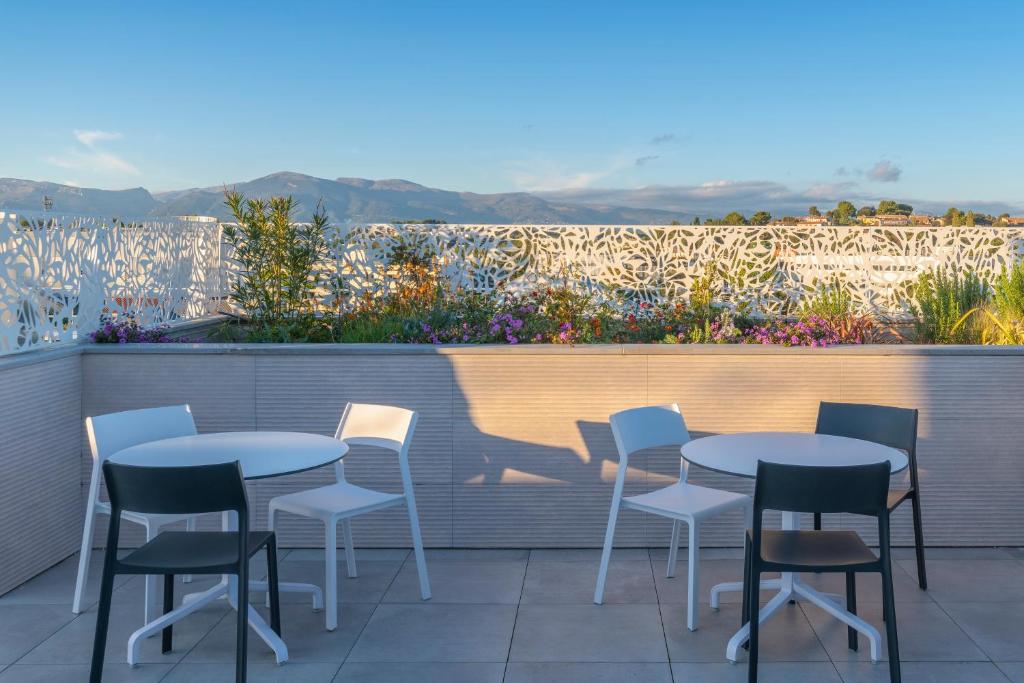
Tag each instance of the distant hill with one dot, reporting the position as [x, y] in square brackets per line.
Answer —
[29, 194]
[355, 199]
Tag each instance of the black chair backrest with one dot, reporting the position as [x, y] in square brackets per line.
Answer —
[856, 489]
[889, 426]
[176, 490]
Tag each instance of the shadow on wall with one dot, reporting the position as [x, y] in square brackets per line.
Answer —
[513, 447]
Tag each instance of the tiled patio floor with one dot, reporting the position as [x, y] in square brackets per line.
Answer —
[523, 616]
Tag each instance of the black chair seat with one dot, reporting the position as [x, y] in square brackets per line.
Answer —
[815, 550]
[897, 497]
[191, 552]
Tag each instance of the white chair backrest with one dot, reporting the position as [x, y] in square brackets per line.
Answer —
[366, 424]
[113, 432]
[648, 427]
[390, 427]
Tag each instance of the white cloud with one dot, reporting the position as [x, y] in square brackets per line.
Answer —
[885, 172]
[543, 175]
[89, 138]
[89, 155]
[716, 197]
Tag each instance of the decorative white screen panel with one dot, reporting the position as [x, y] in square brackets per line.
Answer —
[768, 268]
[60, 274]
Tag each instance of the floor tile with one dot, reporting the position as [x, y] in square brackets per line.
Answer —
[1012, 670]
[660, 555]
[712, 572]
[420, 672]
[56, 585]
[494, 582]
[585, 554]
[23, 627]
[362, 555]
[474, 555]
[998, 629]
[302, 630]
[952, 554]
[554, 583]
[73, 643]
[922, 672]
[767, 672]
[586, 672]
[786, 637]
[75, 673]
[369, 587]
[425, 632]
[869, 586]
[588, 633]
[973, 580]
[256, 672]
[926, 633]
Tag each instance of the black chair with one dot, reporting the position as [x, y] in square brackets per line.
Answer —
[894, 427]
[184, 491]
[860, 490]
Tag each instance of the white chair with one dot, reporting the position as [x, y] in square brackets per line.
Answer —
[109, 434]
[361, 425]
[649, 427]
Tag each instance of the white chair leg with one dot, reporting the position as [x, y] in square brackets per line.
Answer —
[150, 593]
[417, 548]
[606, 552]
[693, 580]
[673, 550]
[190, 525]
[350, 549]
[83, 559]
[331, 574]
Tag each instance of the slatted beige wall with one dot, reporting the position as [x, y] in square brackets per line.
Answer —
[40, 485]
[513, 447]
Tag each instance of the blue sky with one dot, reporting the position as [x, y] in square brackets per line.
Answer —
[731, 100]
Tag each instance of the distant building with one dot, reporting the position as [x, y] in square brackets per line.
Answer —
[894, 219]
[924, 219]
[812, 220]
[1015, 220]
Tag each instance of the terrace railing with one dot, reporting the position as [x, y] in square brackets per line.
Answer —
[768, 269]
[60, 275]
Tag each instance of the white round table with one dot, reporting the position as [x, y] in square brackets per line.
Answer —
[260, 455]
[738, 454]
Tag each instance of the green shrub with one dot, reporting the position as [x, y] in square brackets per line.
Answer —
[943, 300]
[831, 301]
[280, 268]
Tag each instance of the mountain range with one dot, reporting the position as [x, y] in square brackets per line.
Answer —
[355, 199]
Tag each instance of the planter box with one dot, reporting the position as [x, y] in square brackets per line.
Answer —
[513, 447]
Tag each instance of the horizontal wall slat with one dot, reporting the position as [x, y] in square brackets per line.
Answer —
[40, 504]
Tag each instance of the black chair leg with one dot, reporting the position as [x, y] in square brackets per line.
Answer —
[99, 644]
[889, 611]
[745, 609]
[851, 607]
[166, 634]
[272, 586]
[755, 617]
[922, 578]
[817, 521]
[241, 643]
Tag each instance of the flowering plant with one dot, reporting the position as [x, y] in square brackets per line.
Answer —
[128, 331]
[811, 330]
